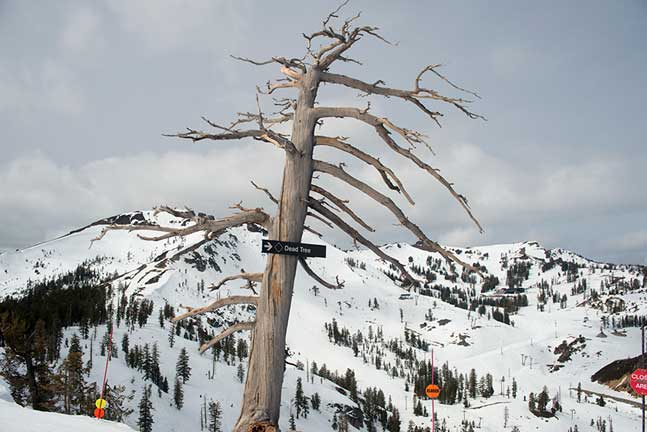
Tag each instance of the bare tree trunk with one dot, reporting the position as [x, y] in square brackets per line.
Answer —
[262, 396]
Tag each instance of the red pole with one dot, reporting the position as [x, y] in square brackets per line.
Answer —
[642, 359]
[433, 413]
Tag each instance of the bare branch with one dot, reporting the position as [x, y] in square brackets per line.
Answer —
[341, 39]
[319, 218]
[349, 60]
[337, 285]
[432, 68]
[196, 135]
[260, 113]
[235, 328]
[254, 62]
[174, 233]
[380, 125]
[411, 136]
[272, 87]
[393, 208]
[187, 213]
[385, 172]
[341, 204]
[184, 251]
[317, 233]
[263, 134]
[248, 117]
[356, 236]
[413, 96]
[279, 140]
[233, 300]
[210, 226]
[334, 13]
[336, 49]
[267, 192]
[288, 63]
[129, 228]
[250, 277]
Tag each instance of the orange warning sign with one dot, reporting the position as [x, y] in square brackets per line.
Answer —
[432, 391]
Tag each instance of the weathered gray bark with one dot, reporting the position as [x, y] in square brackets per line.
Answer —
[262, 396]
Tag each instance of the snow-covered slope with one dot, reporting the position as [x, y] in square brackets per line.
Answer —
[435, 312]
[15, 418]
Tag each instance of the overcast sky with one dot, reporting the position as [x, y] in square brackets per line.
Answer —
[87, 88]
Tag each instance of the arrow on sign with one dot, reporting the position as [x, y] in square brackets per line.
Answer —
[267, 246]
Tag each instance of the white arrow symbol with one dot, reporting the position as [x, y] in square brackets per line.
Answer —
[267, 246]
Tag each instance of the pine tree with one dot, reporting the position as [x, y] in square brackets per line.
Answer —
[514, 388]
[165, 385]
[215, 417]
[145, 421]
[70, 381]
[171, 335]
[106, 343]
[182, 367]
[178, 394]
[42, 387]
[241, 349]
[155, 365]
[350, 383]
[125, 343]
[489, 384]
[393, 423]
[10, 369]
[301, 400]
[119, 403]
[472, 384]
[147, 363]
[315, 400]
[161, 317]
[532, 404]
[84, 329]
[542, 400]
[417, 409]
[240, 373]
[293, 423]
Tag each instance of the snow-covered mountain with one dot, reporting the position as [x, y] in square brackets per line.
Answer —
[553, 319]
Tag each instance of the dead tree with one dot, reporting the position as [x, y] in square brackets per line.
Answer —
[300, 199]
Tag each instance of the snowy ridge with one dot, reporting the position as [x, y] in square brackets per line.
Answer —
[462, 338]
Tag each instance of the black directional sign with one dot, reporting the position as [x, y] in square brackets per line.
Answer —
[290, 248]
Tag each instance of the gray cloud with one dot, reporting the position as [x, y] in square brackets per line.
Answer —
[41, 199]
[87, 88]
